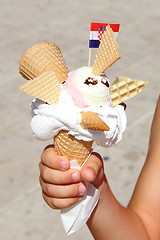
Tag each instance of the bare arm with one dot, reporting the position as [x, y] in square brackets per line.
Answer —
[112, 221]
[146, 197]
[140, 220]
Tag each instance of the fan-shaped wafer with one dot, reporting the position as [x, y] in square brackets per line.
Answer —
[46, 87]
[124, 88]
[91, 120]
[107, 52]
[72, 148]
[43, 57]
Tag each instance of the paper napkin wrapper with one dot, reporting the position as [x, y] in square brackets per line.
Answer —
[74, 217]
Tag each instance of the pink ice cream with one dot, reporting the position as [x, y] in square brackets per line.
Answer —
[87, 89]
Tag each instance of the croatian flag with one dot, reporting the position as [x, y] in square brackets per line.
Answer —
[97, 30]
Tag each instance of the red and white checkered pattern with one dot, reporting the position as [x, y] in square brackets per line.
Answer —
[100, 33]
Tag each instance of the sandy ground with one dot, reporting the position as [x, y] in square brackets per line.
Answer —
[24, 215]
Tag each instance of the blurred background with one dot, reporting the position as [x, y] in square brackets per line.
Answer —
[24, 215]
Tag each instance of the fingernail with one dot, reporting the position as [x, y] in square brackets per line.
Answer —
[75, 177]
[82, 189]
[63, 165]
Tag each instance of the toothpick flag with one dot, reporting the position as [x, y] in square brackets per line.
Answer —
[97, 30]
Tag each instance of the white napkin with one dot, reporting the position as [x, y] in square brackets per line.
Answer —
[74, 217]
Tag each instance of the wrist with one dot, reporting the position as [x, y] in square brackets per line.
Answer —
[101, 205]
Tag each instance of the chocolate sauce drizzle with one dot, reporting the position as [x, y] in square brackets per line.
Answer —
[90, 80]
[105, 82]
[124, 105]
[93, 81]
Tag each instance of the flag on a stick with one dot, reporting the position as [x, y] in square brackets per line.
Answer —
[97, 30]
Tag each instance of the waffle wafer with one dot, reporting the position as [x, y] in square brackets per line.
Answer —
[92, 121]
[124, 88]
[72, 148]
[46, 87]
[43, 57]
[107, 53]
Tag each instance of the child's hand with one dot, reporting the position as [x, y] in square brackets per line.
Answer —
[62, 186]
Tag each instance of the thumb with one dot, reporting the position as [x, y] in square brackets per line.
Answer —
[93, 170]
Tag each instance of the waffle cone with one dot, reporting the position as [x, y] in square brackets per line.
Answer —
[107, 53]
[46, 87]
[41, 58]
[92, 121]
[72, 148]
[124, 88]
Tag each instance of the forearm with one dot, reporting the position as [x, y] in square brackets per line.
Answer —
[141, 219]
[110, 220]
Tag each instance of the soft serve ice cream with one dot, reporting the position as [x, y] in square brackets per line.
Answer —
[82, 91]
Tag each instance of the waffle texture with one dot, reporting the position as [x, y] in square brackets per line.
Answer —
[41, 58]
[72, 148]
[124, 88]
[46, 87]
[107, 53]
[92, 121]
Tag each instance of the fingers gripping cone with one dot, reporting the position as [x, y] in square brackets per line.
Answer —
[107, 53]
[41, 58]
[124, 88]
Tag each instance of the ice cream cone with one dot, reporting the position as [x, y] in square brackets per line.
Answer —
[46, 87]
[72, 148]
[124, 88]
[91, 120]
[41, 58]
[107, 53]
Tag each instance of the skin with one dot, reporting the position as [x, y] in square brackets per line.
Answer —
[62, 187]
